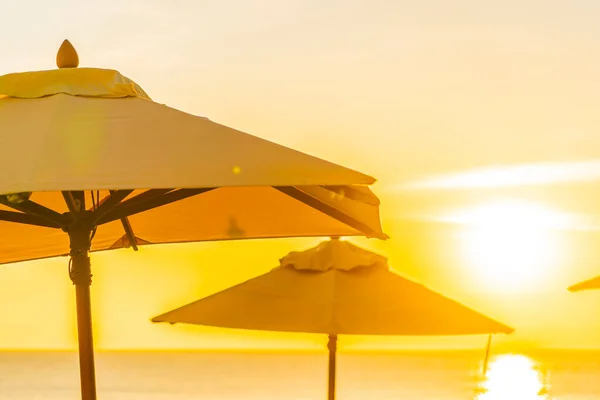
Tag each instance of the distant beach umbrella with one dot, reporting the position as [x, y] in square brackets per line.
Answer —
[590, 284]
[86, 154]
[336, 288]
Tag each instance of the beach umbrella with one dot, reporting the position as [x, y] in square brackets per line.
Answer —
[590, 284]
[335, 288]
[89, 162]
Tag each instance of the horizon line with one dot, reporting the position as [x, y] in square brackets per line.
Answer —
[500, 348]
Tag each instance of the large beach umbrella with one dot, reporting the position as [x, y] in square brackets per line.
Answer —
[335, 288]
[590, 284]
[86, 154]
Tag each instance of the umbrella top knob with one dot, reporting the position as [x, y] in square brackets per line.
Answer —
[67, 56]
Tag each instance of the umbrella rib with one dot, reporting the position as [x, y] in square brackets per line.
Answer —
[136, 206]
[27, 219]
[37, 210]
[146, 196]
[128, 229]
[129, 232]
[74, 203]
[110, 202]
[333, 212]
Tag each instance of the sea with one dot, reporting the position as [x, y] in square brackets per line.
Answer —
[418, 375]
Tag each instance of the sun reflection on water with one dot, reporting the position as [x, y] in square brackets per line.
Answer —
[512, 376]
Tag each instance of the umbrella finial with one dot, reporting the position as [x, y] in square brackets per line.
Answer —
[67, 56]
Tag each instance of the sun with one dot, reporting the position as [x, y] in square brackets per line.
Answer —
[510, 244]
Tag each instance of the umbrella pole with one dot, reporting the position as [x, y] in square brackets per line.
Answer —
[332, 346]
[80, 274]
[487, 354]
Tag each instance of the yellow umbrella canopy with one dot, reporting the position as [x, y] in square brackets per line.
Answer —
[590, 284]
[335, 288]
[86, 154]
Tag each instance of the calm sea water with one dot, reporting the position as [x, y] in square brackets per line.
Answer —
[224, 376]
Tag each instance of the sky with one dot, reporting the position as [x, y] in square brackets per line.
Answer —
[479, 120]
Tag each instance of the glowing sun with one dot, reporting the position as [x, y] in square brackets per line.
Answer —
[510, 243]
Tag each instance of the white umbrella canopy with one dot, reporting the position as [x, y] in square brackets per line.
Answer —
[86, 154]
[590, 284]
[335, 288]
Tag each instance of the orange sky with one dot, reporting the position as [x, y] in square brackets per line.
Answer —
[404, 91]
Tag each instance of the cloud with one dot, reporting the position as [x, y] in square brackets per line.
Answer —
[510, 176]
[510, 212]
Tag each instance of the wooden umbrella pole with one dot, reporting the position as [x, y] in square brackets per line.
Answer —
[80, 274]
[332, 346]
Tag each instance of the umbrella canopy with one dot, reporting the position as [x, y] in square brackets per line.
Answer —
[335, 288]
[590, 284]
[83, 129]
[86, 154]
